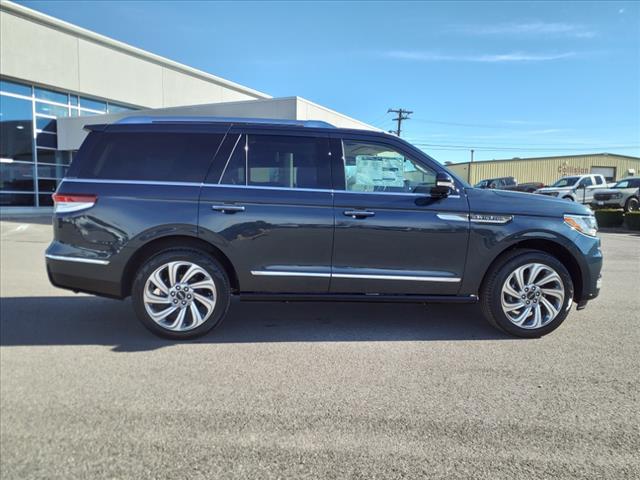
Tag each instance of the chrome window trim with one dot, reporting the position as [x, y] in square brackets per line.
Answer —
[63, 258]
[224, 170]
[130, 182]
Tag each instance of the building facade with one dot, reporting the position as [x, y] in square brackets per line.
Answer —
[56, 77]
[549, 169]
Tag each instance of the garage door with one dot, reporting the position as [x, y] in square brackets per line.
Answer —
[607, 172]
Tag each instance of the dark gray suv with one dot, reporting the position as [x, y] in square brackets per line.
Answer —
[182, 214]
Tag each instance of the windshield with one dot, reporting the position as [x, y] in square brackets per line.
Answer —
[629, 183]
[566, 182]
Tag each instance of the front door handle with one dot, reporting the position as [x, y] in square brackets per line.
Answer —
[359, 213]
[228, 208]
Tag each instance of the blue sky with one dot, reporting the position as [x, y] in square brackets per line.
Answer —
[508, 79]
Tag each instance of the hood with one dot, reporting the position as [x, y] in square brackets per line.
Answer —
[521, 203]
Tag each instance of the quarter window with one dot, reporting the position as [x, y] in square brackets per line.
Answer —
[370, 167]
[278, 161]
[161, 156]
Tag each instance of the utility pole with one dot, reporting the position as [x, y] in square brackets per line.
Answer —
[469, 168]
[472, 155]
[402, 115]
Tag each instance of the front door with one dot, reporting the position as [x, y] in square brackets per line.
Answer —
[390, 236]
[267, 204]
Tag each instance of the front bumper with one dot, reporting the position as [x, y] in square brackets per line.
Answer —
[611, 203]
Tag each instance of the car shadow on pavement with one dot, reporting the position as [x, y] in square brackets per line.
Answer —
[86, 320]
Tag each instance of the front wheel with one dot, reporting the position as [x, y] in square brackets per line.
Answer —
[527, 293]
[632, 205]
[181, 294]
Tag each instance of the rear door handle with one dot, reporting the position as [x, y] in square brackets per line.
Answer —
[359, 213]
[228, 208]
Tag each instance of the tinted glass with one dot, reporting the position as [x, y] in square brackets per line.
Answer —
[55, 110]
[629, 183]
[16, 176]
[54, 157]
[44, 139]
[370, 167]
[93, 104]
[16, 88]
[234, 171]
[162, 156]
[51, 95]
[17, 199]
[16, 129]
[46, 124]
[279, 161]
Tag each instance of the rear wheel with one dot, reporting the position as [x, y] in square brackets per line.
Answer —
[527, 293]
[568, 198]
[181, 294]
[632, 205]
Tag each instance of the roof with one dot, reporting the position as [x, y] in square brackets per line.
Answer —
[550, 157]
[72, 29]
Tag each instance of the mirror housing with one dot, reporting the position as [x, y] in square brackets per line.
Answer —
[444, 185]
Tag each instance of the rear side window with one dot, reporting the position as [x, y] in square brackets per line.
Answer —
[278, 161]
[157, 156]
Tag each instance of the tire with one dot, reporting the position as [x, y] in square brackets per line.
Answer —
[632, 205]
[493, 293]
[571, 199]
[189, 268]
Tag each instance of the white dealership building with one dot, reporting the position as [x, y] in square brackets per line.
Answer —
[53, 75]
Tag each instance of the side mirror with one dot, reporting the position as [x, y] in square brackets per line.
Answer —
[444, 186]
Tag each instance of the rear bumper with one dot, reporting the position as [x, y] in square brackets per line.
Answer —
[71, 271]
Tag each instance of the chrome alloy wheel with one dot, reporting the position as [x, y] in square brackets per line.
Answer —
[532, 295]
[179, 296]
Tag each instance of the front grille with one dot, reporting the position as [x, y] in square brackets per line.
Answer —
[602, 196]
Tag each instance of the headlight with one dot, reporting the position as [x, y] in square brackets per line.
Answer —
[585, 224]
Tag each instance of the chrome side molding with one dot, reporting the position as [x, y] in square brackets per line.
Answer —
[63, 258]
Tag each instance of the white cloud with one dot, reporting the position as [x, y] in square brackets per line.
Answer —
[481, 58]
[531, 28]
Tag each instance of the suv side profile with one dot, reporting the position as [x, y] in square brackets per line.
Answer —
[183, 214]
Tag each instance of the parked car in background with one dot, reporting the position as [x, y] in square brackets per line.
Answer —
[183, 214]
[528, 187]
[500, 183]
[576, 188]
[624, 194]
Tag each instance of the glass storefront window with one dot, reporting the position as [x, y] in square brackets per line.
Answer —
[16, 176]
[17, 88]
[10, 199]
[16, 129]
[45, 139]
[93, 104]
[53, 157]
[51, 95]
[55, 110]
[46, 124]
[74, 100]
[115, 108]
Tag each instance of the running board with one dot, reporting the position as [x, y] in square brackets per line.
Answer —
[358, 297]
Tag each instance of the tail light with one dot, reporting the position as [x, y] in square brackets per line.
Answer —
[66, 202]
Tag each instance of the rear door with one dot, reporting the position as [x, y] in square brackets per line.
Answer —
[267, 203]
[389, 238]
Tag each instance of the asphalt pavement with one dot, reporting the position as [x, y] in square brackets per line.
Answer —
[313, 390]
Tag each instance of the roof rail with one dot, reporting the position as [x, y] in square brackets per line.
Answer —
[193, 119]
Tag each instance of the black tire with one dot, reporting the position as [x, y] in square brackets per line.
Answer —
[216, 272]
[491, 291]
[568, 198]
[632, 205]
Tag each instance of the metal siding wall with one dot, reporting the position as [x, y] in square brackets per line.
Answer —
[546, 170]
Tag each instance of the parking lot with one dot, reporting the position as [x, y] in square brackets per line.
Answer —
[313, 390]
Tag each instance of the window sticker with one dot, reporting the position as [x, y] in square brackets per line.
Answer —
[377, 171]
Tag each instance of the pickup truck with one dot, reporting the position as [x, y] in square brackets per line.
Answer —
[575, 188]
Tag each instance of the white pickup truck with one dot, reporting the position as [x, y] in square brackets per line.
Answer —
[576, 188]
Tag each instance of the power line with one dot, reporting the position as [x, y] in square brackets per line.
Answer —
[402, 115]
[524, 148]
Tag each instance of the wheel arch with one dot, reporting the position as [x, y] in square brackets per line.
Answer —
[158, 245]
[557, 250]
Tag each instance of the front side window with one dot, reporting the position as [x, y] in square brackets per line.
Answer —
[370, 167]
[585, 182]
[278, 161]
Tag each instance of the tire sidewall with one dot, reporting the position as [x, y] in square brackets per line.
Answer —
[506, 269]
[209, 264]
